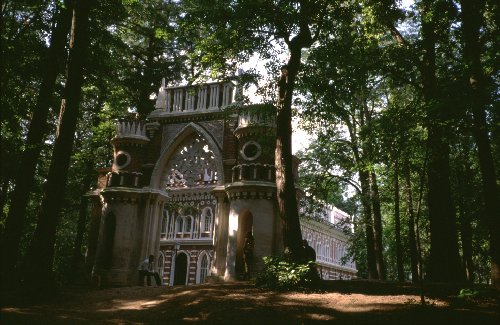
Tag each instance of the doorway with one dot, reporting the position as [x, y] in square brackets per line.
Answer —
[180, 269]
[245, 224]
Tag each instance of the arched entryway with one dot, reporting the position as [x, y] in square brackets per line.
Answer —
[181, 266]
[245, 224]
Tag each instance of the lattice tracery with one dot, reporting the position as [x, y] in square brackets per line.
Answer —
[192, 164]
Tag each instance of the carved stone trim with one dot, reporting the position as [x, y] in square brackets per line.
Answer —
[192, 116]
[131, 196]
[254, 131]
[129, 142]
[202, 194]
[216, 129]
[251, 190]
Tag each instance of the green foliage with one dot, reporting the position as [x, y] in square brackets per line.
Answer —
[468, 293]
[281, 273]
[477, 292]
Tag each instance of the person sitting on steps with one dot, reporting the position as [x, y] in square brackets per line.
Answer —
[147, 270]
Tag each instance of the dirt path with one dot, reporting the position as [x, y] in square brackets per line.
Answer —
[243, 303]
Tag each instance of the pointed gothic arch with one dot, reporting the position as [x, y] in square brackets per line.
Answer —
[206, 220]
[161, 264]
[245, 224]
[202, 267]
[172, 146]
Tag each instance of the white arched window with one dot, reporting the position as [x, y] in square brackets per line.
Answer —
[161, 264]
[207, 217]
[203, 267]
[188, 224]
[164, 225]
[184, 226]
[179, 224]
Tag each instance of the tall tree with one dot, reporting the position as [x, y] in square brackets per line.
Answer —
[472, 21]
[465, 188]
[339, 87]
[40, 256]
[412, 226]
[397, 223]
[287, 196]
[153, 44]
[297, 24]
[444, 264]
[37, 131]
[368, 148]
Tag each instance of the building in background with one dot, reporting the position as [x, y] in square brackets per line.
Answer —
[187, 184]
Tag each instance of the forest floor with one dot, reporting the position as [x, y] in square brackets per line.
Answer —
[338, 302]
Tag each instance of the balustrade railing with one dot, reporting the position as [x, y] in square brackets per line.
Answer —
[254, 172]
[197, 98]
[124, 179]
[255, 118]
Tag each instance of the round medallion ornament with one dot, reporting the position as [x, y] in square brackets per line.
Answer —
[122, 159]
[251, 150]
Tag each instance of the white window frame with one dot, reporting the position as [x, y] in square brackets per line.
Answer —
[199, 269]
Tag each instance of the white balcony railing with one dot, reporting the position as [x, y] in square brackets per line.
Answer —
[197, 98]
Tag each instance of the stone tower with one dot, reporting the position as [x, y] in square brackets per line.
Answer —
[129, 211]
[252, 190]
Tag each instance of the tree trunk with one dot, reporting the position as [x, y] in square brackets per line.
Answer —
[286, 193]
[285, 183]
[377, 226]
[145, 105]
[364, 179]
[78, 261]
[464, 187]
[466, 235]
[40, 256]
[3, 197]
[24, 178]
[444, 264]
[472, 21]
[417, 231]
[397, 225]
[77, 267]
[412, 227]
[365, 119]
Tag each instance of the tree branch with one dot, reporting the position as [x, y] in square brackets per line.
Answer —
[348, 181]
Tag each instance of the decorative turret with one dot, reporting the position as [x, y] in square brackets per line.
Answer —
[129, 144]
[252, 190]
[255, 133]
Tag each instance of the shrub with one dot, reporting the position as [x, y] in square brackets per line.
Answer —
[468, 293]
[281, 273]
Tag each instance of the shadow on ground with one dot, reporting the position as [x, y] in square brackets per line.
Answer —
[341, 302]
